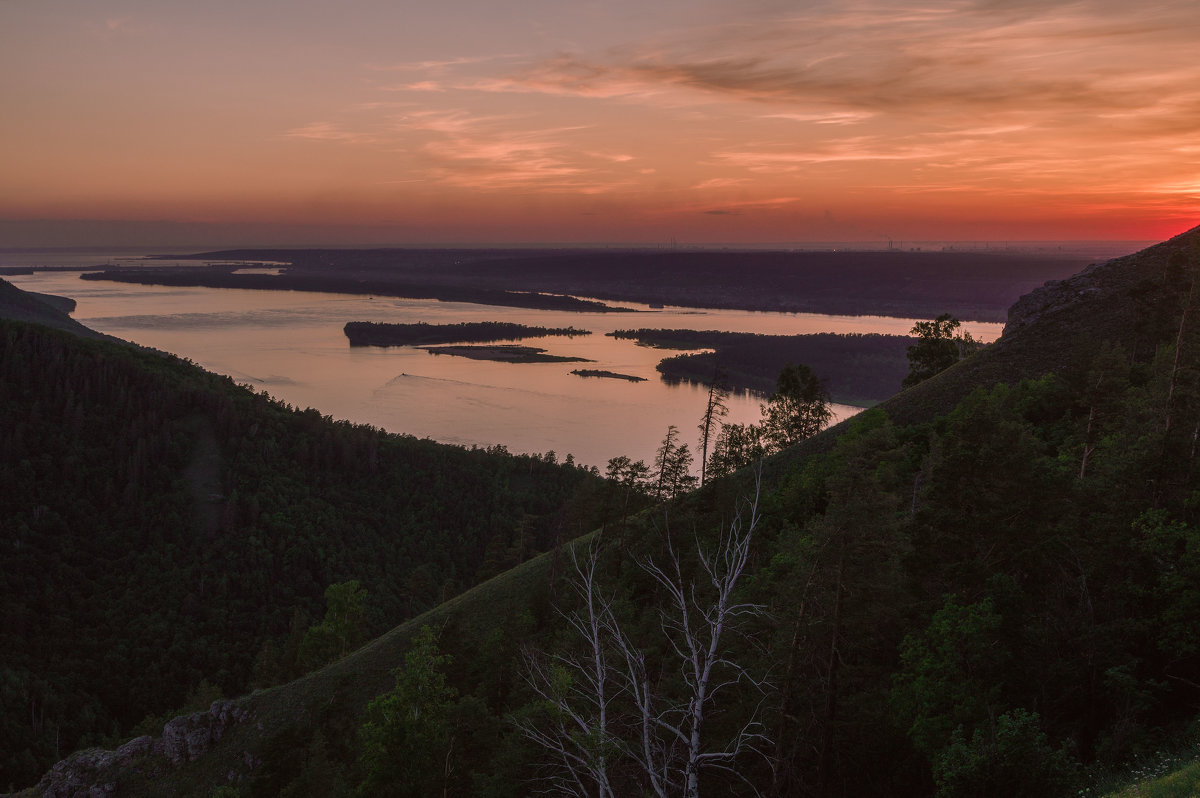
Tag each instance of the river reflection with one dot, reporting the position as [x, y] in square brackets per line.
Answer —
[292, 345]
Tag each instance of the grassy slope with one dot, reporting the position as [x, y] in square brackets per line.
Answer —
[1057, 338]
[352, 681]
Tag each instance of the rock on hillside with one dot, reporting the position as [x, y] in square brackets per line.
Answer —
[95, 772]
[1119, 278]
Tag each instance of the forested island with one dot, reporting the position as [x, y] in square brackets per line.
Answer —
[857, 369]
[612, 375]
[367, 333]
[504, 353]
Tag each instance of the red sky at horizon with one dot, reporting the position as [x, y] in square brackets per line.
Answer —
[375, 121]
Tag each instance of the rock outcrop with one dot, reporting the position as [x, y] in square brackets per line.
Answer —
[95, 772]
[186, 738]
[1054, 295]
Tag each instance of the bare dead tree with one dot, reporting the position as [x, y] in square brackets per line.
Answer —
[577, 690]
[661, 738]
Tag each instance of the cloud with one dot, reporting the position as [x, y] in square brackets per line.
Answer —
[720, 182]
[855, 149]
[945, 97]
[431, 66]
[825, 118]
[328, 131]
[844, 63]
[496, 152]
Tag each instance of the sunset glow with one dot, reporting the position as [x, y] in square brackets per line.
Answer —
[378, 122]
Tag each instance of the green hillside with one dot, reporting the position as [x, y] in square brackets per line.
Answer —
[985, 586]
[166, 532]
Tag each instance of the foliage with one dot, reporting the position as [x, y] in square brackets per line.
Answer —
[858, 368]
[938, 348]
[162, 521]
[737, 445]
[341, 630]
[798, 409]
[1011, 759]
[407, 738]
[715, 408]
[673, 467]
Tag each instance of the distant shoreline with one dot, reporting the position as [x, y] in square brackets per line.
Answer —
[973, 285]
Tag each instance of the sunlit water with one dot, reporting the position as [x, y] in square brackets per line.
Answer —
[291, 344]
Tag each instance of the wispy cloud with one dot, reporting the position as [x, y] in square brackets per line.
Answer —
[826, 118]
[942, 97]
[329, 131]
[843, 63]
[457, 147]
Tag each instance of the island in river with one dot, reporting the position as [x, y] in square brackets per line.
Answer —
[613, 375]
[858, 369]
[504, 353]
[368, 333]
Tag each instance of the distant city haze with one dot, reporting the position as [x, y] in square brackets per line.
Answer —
[672, 123]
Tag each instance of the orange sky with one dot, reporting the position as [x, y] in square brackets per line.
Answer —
[382, 121]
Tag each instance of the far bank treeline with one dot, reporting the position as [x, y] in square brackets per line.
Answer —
[162, 525]
[976, 285]
[856, 368]
[327, 282]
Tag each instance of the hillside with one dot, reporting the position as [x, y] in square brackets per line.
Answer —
[166, 533]
[985, 586]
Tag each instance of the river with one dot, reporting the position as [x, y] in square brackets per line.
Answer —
[291, 344]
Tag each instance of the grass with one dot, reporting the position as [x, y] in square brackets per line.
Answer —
[349, 683]
[1170, 777]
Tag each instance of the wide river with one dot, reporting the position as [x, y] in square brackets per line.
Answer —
[291, 344]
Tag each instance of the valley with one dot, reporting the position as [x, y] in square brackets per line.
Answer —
[954, 592]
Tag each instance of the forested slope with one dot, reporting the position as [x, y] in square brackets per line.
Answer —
[163, 527]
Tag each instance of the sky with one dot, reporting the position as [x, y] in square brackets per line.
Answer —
[570, 121]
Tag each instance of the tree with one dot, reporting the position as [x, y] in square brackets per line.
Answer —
[1008, 758]
[629, 476]
[343, 628]
[798, 409]
[407, 738]
[737, 445]
[674, 464]
[609, 718]
[937, 348]
[714, 410]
